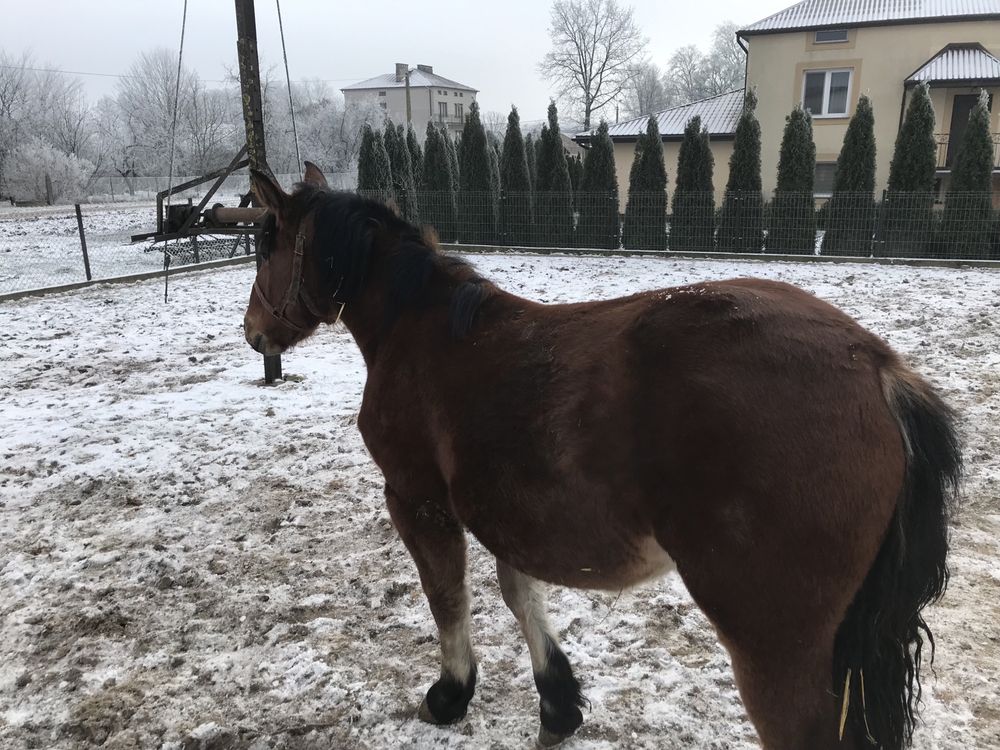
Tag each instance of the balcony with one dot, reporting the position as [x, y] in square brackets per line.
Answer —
[947, 151]
[449, 119]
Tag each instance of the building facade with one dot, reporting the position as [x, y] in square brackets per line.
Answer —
[823, 54]
[417, 95]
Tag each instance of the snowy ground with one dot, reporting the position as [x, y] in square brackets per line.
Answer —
[189, 559]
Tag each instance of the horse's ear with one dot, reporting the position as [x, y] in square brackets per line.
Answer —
[268, 191]
[314, 176]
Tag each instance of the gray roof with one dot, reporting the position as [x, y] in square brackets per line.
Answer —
[811, 14]
[719, 115]
[418, 79]
[959, 62]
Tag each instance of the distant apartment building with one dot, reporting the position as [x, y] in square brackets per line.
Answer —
[431, 97]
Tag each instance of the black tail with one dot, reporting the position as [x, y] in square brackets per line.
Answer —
[881, 639]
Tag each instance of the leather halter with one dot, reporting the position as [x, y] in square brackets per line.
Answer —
[295, 292]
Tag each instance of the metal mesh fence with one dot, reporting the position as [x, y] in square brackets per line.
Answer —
[40, 247]
[897, 225]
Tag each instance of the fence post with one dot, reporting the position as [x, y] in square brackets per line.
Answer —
[48, 190]
[111, 182]
[83, 241]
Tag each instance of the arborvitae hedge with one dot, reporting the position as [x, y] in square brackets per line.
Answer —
[793, 214]
[553, 193]
[438, 196]
[476, 199]
[597, 201]
[516, 215]
[374, 172]
[416, 155]
[692, 221]
[529, 154]
[646, 210]
[968, 211]
[741, 226]
[906, 211]
[850, 219]
[403, 184]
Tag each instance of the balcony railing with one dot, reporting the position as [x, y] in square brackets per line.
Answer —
[947, 150]
[449, 119]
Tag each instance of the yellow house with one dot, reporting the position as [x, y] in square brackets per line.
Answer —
[824, 54]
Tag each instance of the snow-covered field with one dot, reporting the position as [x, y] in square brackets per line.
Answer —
[189, 559]
[40, 246]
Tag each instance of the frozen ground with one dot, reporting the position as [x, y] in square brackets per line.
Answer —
[191, 560]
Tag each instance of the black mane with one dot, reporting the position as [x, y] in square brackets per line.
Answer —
[345, 226]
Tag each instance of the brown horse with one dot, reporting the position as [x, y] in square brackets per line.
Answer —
[781, 458]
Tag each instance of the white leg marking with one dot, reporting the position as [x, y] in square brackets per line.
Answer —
[525, 597]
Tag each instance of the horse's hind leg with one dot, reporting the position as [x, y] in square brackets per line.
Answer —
[437, 543]
[789, 696]
[558, 689]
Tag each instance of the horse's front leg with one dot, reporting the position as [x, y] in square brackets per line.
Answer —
[558, 689]
[436, 540]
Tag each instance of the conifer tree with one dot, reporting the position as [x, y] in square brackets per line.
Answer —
[529, 153]
[451, 150]
[553, 193]
[476, 199]
[575, 165]
[646, 209]
[741, 227]
[906, 212]
[515, 186]
[439, 206]
[966, 223]
[850, 218]
[416, 156]
[793, 214]
[692, 224]
[374, 173]
[403, 184]
[597, 200]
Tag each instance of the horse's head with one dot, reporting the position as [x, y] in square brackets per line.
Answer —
[306, 273]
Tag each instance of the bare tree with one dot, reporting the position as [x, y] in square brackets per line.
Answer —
[645, 93]
[596, 45]
[495, 122]
[692, 74]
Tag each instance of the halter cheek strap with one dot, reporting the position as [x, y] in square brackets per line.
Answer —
[296, 291]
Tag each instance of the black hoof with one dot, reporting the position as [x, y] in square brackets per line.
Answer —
[447, 700]
[548, 739]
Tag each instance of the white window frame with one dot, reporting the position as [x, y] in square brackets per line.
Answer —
[830, 41]
[826, 91]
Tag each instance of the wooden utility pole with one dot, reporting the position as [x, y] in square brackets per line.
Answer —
[253, 119]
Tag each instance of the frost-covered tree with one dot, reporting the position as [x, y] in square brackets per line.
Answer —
[741, 225]
[692, 224]
[34, 160]
[597, 201]
[850, 218]
[646, 209]
[793, 217]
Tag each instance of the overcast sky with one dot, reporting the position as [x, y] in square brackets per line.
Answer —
[494, 47]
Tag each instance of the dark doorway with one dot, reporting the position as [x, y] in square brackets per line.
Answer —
[960, 109]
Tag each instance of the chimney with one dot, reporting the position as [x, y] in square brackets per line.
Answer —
[426, 68]
[401, 71]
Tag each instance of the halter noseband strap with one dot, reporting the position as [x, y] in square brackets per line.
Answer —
[294, 292]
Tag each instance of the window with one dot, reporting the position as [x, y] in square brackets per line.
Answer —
[382, 105]
[825, 93]
[461, 94]
[828, 36]
[458, 110]
[381, 93]
[823, 179]
[442, 110]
